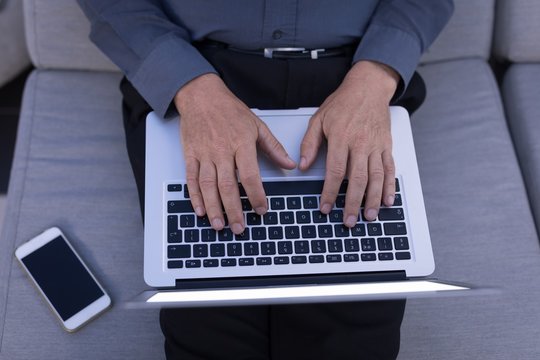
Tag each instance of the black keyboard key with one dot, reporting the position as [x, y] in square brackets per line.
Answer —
[174, 236]
[386, 256]
[234, 249]
[251, 249]
[200, 250]
[299, 259]
[315, 259]
[285, 247]
[374, 229]
[301, 247]
[340, 201]
[310, 202]
[258, 233]
[368, 257]
[319, 217]
[335, 245]
[325, 231]
[246, 205]
[292, 232]
[179, 251]
[186, 192]
[397, 200]
[333, 258]
[351, 258]
[281, 260]
[187, 221]
[397, 185]
[217, 250]
[277, 203]
[193, 263]
[341, 231]
[191, 235]
[208, 235]
[351, 245]
[395, 228]
[384, 243]
[286, 217]
[401, 243]
[268, 248]
[309, 231]
[172, 223]
[175, 264]
[303, 217]
[174, 187]
[225, 235]
[318, 246]
[246, 261]
[368, 244]
[210, 263]
[336, 216]
[228, 262]
[203, 221]
[358, 230]
[293, 188]
[179, 206]
[294, 203]
[264, 261]
[403, 256]
[242, 236]
[389, 214]
[270, 218]
[253, 219]
[275, 232]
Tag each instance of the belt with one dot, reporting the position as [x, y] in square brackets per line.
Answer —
[286, 52]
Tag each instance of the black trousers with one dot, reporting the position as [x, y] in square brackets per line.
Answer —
[357, 330]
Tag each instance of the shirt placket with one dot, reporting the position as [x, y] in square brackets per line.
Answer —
[279, 24]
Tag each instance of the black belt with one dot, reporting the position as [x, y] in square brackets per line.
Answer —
[285, 52]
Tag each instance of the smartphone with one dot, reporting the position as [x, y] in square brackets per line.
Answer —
[66, 283]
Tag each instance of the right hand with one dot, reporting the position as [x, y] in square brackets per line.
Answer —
[220, 134]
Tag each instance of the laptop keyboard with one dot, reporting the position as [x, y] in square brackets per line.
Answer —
[293, 231]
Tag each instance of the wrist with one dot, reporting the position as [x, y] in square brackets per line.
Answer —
[197, 89]
[380, 79]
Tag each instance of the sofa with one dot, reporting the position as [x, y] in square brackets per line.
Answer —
[478, 159]
[14, 56]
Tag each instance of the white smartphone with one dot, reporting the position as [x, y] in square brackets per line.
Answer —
[60, 275]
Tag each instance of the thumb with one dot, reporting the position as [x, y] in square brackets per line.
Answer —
[273, 148]
[311, 142]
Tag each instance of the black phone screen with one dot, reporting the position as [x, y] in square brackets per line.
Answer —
[61, 276]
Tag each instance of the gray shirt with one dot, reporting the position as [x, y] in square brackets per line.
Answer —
[150, 40]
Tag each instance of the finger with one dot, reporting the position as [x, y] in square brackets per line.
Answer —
[248, 170]
[336, 166]
[192, 179]
[374, 187]
[358, 178]
[230, 195]
[311, 142]
[273, 148]
[209, 189]
[389, 189]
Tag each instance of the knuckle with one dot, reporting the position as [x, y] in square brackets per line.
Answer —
[389, 168]
[376, 174]
[337, 170]
[358, 177]
[207, 182]
[250, 178]
[227, 185]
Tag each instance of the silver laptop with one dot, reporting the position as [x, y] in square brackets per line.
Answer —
[294, 253]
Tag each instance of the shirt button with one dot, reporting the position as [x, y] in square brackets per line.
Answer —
[276, 35]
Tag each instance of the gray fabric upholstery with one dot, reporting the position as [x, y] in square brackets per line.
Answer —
[517, 30]
[71, 170]
[480, 223]
[14, 56]
[57, 37]
[521, 92]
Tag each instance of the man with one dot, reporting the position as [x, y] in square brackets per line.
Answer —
[211, 61]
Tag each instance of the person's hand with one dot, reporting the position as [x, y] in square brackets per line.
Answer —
[355, 120]
[219, 135]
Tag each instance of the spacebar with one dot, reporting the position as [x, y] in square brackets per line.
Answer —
[297, 187]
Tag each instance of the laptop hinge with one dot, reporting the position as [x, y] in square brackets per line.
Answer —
[257, 281]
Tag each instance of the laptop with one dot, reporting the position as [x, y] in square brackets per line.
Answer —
[294, 253]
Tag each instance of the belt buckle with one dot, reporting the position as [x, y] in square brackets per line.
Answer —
[269, 52]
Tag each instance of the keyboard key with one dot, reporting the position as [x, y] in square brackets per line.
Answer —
[389, 214]
[335, 245]
[225, 235]
[299, 259]
[174, 236]
[309, 231]
[293, 188]
[325, 231]
[253, 219]
[340, 202]
[268, 248]
[374, 229]
[341, 231]
[384, 243]
[242, 236]
[234, 249]
[191, 235]
[310, 202]
[277, 203]
[174, 187]
[246, 205]
[179, 251]
[210, 263]
[217, 250]
[246, 262]
[228, 262]
[333, 258]
[270, 218]
[175, 264]
[358, 230]
[258, 233]
[401, 243]
[351, 245]
[397, 185]
[301, 247]
[208, 235]
[251, 249]
[351, 258]
[187, 221]
[193, 263]
[403, 255]
[368, 244]
[315, 259]
[286, 217]
[318, 246]
[281, 260]
[368, 257]
[292, 232]
[319, 217]
[179, 206]
[186, 192]
[397, 200]
[203, 221]
[386, 256]
[275, 232]
[336, 216]
[294, 203]
[303, 217]
[200, 250]
[264, 261]
[172, 223]
[395, 228]
[285, 247]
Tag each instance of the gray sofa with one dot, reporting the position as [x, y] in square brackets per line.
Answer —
[14, 56]
[71, 170]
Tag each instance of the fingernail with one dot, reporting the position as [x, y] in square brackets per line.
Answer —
[390, 200]
[199, 211]
[237, 228]
[260, 210]
[303, 162]
[351, 221]
[326, 208]
[290, 160]
[371, 214]
[217, 223]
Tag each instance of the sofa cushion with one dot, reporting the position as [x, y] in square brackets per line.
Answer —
[480, 223]
[521, 94]
[14, 56]
[57, 37]
[516, 31]
[71, 170]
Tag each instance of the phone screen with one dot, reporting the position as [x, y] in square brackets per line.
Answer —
[62, 277]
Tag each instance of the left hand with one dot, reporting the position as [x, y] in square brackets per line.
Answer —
[355, 120]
